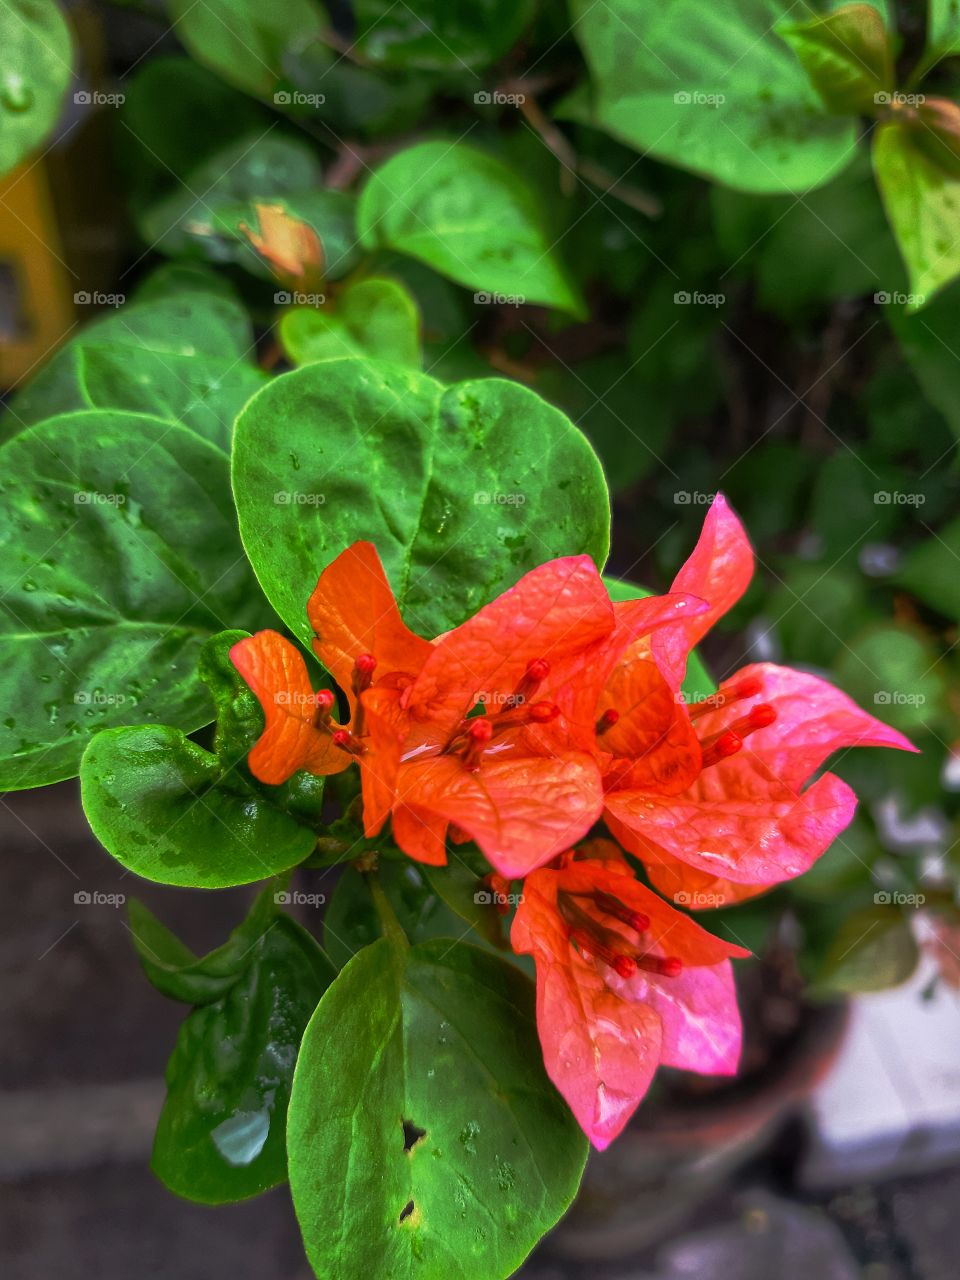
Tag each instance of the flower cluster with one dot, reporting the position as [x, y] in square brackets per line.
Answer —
[554, 707]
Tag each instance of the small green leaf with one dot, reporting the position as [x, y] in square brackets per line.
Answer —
[169, 811]
[847, 56]
[420, 1108]
[374, 317]
[718, 93]
[923, 204]
[438, 35]
[245, 42]
[221, 1135]
[35, 69]
[874, 950]
[119, 556]
[462, 489]
[470, 217]
[943, 28]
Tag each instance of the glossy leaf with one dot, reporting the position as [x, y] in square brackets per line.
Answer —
[723, 95]
[420, 1106]
[169, 811]
[351, 449]
[36, 58]
[119, 557]
[221, 1135]
[847, 55]
[468, 216]
[437, 35]
[246, 42]
[375, 317]
[923, 204]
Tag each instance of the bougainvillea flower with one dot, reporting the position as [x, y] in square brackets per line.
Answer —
[297, 733]
[711, 795]
[520, 778]
[625, 982]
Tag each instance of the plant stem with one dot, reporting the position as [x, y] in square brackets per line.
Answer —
[392, 928]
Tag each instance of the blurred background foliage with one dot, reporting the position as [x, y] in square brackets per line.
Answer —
[716, 292]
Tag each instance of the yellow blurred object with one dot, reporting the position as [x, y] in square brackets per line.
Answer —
[290, 245]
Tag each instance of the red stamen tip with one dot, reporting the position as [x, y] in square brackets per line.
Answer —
[365, 664]
[608, 720]
[342, 738]
[538, 669]
[324, 700]
[671, 966]
[480, 730]
[728, 744]
[748, 688]
[625, 966]
[348, 742]
[762, 715]
[543, 712]
[639, 921]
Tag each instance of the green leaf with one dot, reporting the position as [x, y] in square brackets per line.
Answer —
[847, 56]
[433, 1048]
[221, 1135]
[875, 949]
[170, 811]
[118, 557]
[716, 92]
[929, 342]
[35, 69]
[245, 42]
[172, 967]
[438, 35]
[462, 489]
[923, 204]
[943, 28]
[375, 317]
[697, 683]
[188, 355]
[896, 673]
[468, 216]
[930, 571]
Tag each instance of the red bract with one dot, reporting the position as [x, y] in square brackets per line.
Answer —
[714, 816]
[624, 983]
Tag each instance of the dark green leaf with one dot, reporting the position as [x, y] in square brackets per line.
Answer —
[875, 949]
[439, 35]
[222, 1132]
[462, 489]
[420, 1108]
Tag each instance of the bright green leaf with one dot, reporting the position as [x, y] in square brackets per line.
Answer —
[847, 56]
[894, 672]
[374, 317]
[352, 449]
[420, 1108]
[943, 27]
[35, 69]
[470, 217]
[714, 90]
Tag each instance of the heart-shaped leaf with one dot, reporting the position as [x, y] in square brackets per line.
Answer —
[470, 217]
[35, 68]
[462, 489]
[118, 557]
[724, 97]
[847, 56]
[221, 1135]
[374, 317]
[421, 1109]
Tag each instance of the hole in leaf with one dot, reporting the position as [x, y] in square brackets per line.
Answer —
[412, 1134]
[406, 1211]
